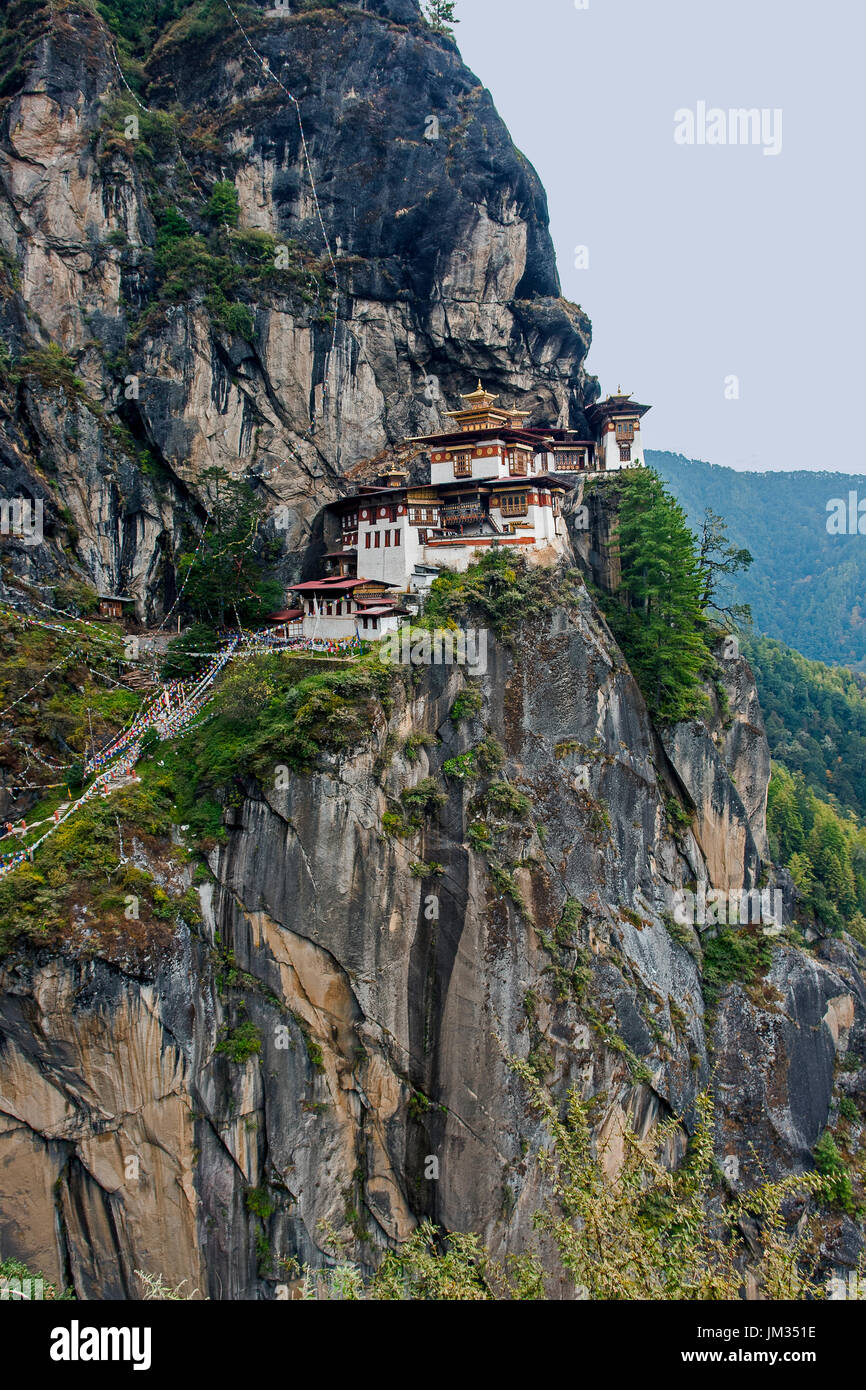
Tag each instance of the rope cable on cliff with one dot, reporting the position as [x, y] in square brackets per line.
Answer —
[142, 107]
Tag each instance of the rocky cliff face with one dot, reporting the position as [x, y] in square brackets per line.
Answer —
[390, 981]
[389, 996]
[384, 261]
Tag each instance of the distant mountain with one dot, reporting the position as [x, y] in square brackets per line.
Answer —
[806, 587]
[816, 720]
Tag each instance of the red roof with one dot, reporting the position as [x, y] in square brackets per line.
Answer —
[526, 434]
[286, 615]
[336, 582]
[531, 480]
[391, 608]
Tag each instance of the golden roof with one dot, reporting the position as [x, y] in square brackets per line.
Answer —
[480, 403]
[480, 397]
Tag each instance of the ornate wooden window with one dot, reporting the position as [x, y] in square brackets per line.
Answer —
[514, 504]
[625, 453]
[516, 463]
[463, 465]
[570, 460]
[625, 431]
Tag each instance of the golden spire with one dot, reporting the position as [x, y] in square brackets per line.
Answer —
[479, 396]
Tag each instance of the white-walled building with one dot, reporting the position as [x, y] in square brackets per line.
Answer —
[494, 482]
[491, 442]
[616, 422]
[337, 607]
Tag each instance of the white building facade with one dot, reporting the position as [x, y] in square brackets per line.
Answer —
[494, 482]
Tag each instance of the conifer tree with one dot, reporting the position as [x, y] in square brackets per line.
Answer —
[828, 853]
[716, 558]
[786, 819]
[440, 16]
[658, 615]
[226, 577]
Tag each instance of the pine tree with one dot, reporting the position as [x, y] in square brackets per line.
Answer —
[223, 206]
[801, 870]
[784, 813]
[226, 577]
[440, 16]
[717, 557]
[657, 615]
[828, 852]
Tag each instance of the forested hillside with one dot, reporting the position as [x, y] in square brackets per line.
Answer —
[824, 851]
[806, 587]
[816, 720]
[815, 717]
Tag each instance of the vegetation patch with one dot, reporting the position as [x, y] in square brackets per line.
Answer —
[486, 758]
[260, 1202]
[504, 801]
[22, 1283]
[839, 1191]
[678, 817]
[468, 703]
[416, 741]
[739, 955]
[501, 593]
[823, 849]
[421, 870]
[240, 1043]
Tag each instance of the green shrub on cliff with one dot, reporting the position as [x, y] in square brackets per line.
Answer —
[467, 704]
[241, 1043]
[631, 1231]
[500, 592]
[53, 369]
[828, 1160]
[21, 1283]
[82, 882]
[734, 955]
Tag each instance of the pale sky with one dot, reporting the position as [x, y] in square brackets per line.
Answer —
[705, 261]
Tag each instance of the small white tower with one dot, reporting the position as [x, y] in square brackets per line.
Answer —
[616, 423]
